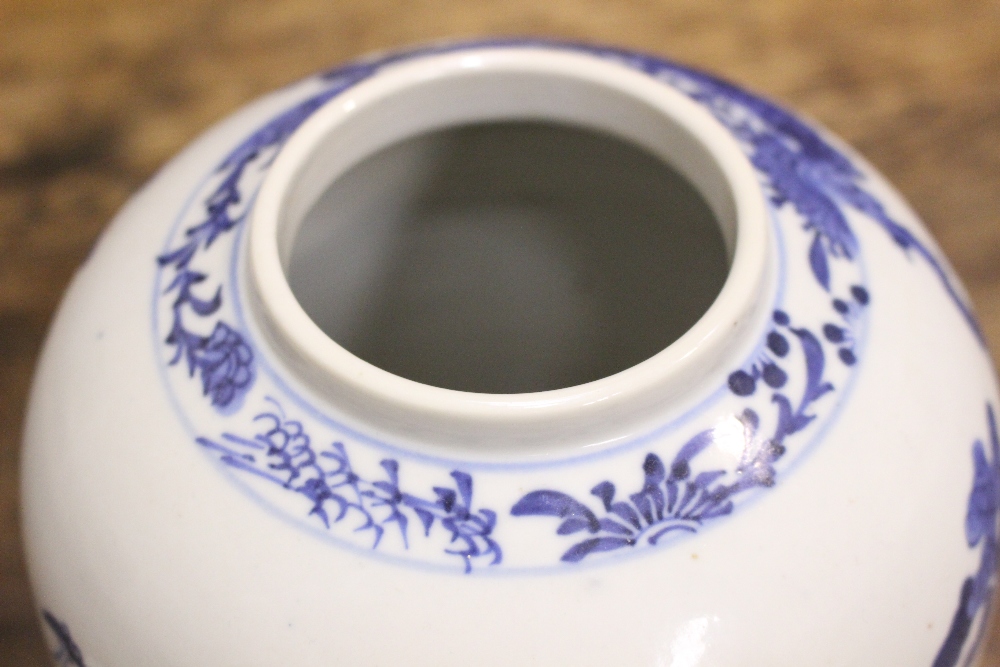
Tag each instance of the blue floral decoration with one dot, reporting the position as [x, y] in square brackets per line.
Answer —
[980, 531]
[800, 170]
[677, 499]
[222, 358]
[66, 653]
[803, 169]
[284, 454]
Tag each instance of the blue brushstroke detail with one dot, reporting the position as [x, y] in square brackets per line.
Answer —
[980, 530]
[283, 453]
[803, 170]
[223, 358]
[675, 499]
[66, 652]
[818, 262]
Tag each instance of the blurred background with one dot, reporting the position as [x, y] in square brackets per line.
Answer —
[96, 94]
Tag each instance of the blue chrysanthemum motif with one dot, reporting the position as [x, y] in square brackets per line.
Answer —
[381, 498]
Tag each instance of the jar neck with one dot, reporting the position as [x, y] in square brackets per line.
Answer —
[429, 93]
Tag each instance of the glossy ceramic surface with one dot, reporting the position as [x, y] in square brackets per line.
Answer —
[210, 479]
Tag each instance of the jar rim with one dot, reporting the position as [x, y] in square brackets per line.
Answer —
[708, 155]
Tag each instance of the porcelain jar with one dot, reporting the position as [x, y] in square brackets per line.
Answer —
[513, 353]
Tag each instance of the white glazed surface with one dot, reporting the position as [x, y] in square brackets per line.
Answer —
[153, 551]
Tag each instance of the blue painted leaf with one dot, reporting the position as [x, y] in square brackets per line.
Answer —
[388, 488]
[554, 503]
[182, 282]
[818, 262]
[984, 500]
[606, 492]
[342, 506]
[671, 496]
[951, 649]
[983, 580]
[391, 467]
[464, 483]
[574, 524]
[644, 506]
[67, 647]
[690, 491]
[578, 552]
[205, 307]
[691, 449]
[703, 480]
[626, 512]
[180, 258]
[340, 456]
[451, 526]
[717, 511]
[399, 519]
[252, 444]
[659, 501]
[378, 530]
[850, 192]
[494, 548]
[788, 421]
[611, 526]
[813, 350]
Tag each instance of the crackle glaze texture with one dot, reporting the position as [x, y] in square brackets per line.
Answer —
[817, 495]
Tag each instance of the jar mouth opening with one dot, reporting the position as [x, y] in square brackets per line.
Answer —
[491, 90]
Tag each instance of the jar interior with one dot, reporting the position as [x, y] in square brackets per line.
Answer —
[508, 257]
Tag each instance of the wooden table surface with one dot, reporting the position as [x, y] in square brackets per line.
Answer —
[96, 94]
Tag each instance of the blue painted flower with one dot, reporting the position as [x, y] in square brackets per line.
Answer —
[225, 362]
[671, 500]
[676, 499]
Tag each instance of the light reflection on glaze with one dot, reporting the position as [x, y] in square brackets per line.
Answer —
[689, 644]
